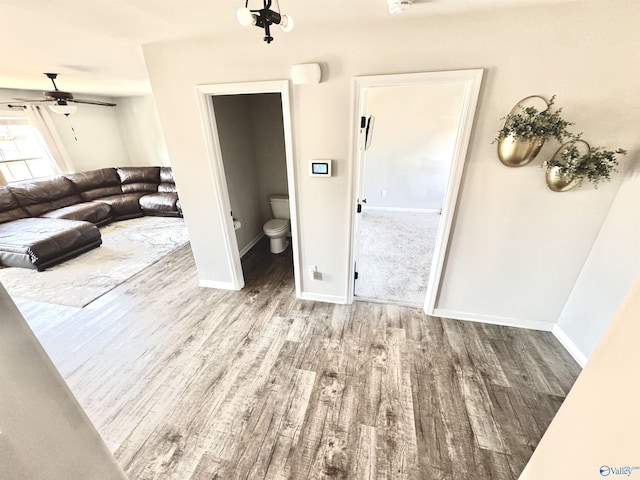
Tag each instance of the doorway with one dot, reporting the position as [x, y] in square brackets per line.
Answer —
[411, 144]
[251, 137]
[248, 127]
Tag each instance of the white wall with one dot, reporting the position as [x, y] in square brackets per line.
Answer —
[268, 142]
[44, 433]
[141, 131]
[252, 144]
[92, 137]
[613, 264]
[598, 423]
[412, 142]
[238, 155]
[517, 248]
[99, 137]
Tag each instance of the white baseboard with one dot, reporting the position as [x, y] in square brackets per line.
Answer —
[397, 209]
[251, 244]
[494, 320]
[568, 344]
[219, 285]
[320, 297]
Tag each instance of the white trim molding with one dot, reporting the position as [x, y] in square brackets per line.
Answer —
[320, 297]
[216, 169]
[472, 80]
[494, 320]
[251, 244]
[568, 344]
[400, 209]
[204, 94]
[218, 285]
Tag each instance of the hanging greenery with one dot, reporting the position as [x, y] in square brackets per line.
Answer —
[529, 123]
[595, 166]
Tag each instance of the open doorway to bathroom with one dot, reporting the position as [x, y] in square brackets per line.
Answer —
[249, 128]
[251, 137]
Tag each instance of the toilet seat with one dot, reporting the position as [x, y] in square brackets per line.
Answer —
[276, 226]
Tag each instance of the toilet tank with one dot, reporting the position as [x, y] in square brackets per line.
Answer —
[280, 206]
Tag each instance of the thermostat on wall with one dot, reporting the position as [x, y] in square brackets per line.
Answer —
[320, 168]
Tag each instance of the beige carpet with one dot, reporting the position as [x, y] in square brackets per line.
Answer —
[128, 247]
[394, 255]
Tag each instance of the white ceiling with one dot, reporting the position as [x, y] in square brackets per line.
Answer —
[96, 44]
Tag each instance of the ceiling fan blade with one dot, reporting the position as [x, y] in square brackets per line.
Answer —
[14, 104]
[92, 102]
[31, 100]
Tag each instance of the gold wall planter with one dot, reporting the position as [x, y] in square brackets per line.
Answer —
[516, 153]
[559, 181]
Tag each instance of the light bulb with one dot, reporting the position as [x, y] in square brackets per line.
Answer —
[398, 6]
[286, 23]
[63, 108]
[245, 17]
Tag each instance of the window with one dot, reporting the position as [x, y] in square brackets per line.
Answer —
[23, 154]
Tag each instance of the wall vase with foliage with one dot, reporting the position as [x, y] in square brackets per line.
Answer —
[526, 129]
[559, 180]
[576, 161]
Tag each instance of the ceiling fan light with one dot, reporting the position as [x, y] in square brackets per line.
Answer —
[286, 23]
[398, 6]
[245, 17]
[63, 108]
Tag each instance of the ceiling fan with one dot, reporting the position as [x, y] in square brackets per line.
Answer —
[62, 100]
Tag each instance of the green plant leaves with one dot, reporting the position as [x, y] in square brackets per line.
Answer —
[595, 166]
[530, 123]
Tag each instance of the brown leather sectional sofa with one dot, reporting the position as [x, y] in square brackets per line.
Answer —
[43, 223]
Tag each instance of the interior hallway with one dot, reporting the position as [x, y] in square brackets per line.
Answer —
[192, 383]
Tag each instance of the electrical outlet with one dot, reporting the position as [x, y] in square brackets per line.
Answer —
[383, 193]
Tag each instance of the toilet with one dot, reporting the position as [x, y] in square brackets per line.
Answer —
[278, 228]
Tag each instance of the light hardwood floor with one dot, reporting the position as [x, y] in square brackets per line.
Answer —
[192, 383]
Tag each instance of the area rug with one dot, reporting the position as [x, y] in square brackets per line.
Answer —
[394, 255]
[128, 247]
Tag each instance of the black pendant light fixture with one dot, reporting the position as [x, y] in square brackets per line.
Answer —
[264, 18]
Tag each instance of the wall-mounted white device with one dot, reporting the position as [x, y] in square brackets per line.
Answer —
[305, 73]
[320, 168]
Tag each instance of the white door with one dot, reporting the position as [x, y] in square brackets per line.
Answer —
[408, 142]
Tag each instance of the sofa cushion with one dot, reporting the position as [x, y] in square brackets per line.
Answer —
[139, 179]
[162, 203]
[140, 187]
[166, 175]
[10, 209]
[42, 196]
[167, 184]
[37, 242]
[125, 205]
[97, 213]
[96, 183]
[139, 175]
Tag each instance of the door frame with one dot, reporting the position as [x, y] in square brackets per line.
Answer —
[472, 80]
[205, 94]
